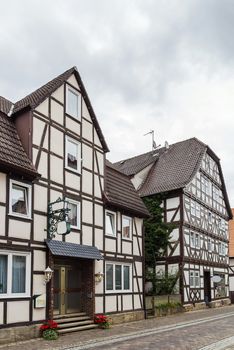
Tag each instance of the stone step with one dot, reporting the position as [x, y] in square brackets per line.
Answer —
[77, 329]
[76, 314]
[74, 324]
[72, 319]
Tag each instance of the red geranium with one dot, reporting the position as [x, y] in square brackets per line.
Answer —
[50, 324]
[102, 321]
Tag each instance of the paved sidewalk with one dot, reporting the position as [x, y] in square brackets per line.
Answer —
[77, 339]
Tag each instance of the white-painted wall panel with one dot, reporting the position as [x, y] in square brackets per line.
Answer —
[56, 169]
[2, 187]
[72, 125]
[43, 107]
[1, 313]
[98, 215]
[99, 237]
[111, 305]
[87, 213]
[17, 311]
[87, 235]
[59, 94]
[39, 260]
[72, 80]
[56, 141]
[19, 229]
[40, 198]
[72, 180]
[87, 130]
[40, 225]
[98, 305]
[173, 202]
[127, 302]
[110, 245]
[87, 184]
[87, 156]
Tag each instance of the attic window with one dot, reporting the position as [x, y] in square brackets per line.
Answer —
[73, 103]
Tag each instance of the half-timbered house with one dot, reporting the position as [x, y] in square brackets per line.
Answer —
[189, 178]
[231, 258]
[53, 155]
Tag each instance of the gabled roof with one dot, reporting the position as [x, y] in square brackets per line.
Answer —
[12, 155]
[5, 105]
[172, 168]
[120, 192]
[32, 100]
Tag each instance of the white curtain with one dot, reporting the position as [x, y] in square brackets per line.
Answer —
[18, 274]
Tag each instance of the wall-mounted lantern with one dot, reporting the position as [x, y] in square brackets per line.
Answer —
[98, 277]
[48, 274]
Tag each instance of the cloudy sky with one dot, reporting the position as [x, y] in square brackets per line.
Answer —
[166, 65]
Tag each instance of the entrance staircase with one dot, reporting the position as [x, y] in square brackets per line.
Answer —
[74, 322]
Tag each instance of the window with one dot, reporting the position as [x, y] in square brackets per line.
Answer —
[198, 213]
[222, 248]
[73, 103]
[194, 279]
[197, 240]
[74, 213]
[20, 199]
[209, 245]
[191, 279]
[14, 274]
[110, 223]
[127, 227]
[197, 279]
[118, 277]
[73, 155]
[192, 239]
[193, 211]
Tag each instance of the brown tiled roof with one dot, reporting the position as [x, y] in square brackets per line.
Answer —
[120, 193]
[12, 155]
[39, 95]
[5, 105]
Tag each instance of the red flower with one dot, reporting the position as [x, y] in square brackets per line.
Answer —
[50, 324]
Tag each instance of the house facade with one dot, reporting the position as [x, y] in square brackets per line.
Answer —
[53, 172]
[231, 258]
[188, 178]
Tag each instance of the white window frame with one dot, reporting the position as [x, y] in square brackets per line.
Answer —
[197, 277]
[192, 239]
[114, 290]
[75, 92]
[77, 203]
[197, 241]
[10, 255]
[28, 199]
[191, 279]
[130, 231]
[209, 245]
[193, 208]
[114, 215]
[70, 139]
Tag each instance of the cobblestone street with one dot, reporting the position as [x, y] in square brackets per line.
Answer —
[192, 330]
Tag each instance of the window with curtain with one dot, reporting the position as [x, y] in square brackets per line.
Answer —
[127, 227]
[118, 277]
[14, 274]
[74, 213]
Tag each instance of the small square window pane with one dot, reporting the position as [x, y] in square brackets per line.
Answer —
[72, 214]
[126, 277]
[72, 103]
[118, 277]
[19, 199]
[109, 277]
[18, 274]
[72, 155]
[3, 274]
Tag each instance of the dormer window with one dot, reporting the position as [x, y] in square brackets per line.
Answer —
[73, 103]
[73, 155]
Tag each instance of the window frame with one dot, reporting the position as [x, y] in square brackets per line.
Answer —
[9, 293]
[28, 199]
[115, 222]
[78, 204]
[77, 93]
[122, 290]
[78, 143]
[130, 225]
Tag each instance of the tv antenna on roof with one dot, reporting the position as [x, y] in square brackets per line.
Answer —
[154, 146]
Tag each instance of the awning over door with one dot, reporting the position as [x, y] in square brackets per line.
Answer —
[60, 248]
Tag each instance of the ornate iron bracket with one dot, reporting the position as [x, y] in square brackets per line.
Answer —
[57, 213]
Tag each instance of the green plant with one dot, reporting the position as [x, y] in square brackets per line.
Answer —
[50, 334]
[102, 321]
[165, 284]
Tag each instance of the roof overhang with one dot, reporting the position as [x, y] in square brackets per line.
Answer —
[72, 250]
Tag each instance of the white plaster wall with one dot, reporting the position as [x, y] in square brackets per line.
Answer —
[173, 268]
[43, 107]
[3, 219]
[110, 245]
[73, 237]
[87, 235]
[39, 314]
[72, 180]
[174, 236]
[177, 251]
[173, 202]
[139, 226]
[98, 215]
[99, 286]
[85, 111]
[87, 212]
[56, 169]
[99, 238]
[135, 247]
[54, 195]
[40, 198]
[1, 313]
[72, 125]
[97, 190]
[56, 112]
[56, 141]
[138, 178]
[38, 127]
[2, 188]
[138, 268]
[17, 311]
[59, 94]
[96, 139]
[87, 184]
[100, 160]
[39, 260]
[127, 302]
[39, 286]
[170, 215]
[87, 155]
[19, 229]
[98, 305]
[72, 80]
[137, 302]
[127, 247]
[42, 167]
[40, 224]
[111, 303]
[87, 130]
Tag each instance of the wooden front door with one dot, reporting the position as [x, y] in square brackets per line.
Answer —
[67, 289]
